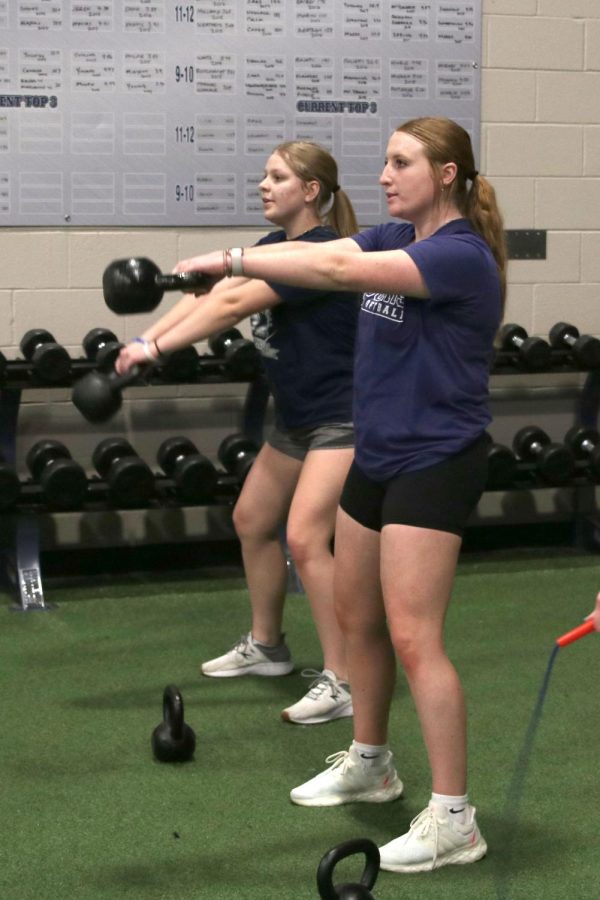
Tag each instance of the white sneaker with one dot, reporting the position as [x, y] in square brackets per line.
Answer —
[434, 840]
[350, 780]
[246, 658]
[327, 699]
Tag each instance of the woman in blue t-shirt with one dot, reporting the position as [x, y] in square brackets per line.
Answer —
[434, 288]
[306, 338]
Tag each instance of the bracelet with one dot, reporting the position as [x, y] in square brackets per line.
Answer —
[227, 264]
[237, 260]
[159, 354]
[147, 351]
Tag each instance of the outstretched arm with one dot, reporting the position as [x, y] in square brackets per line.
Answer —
[204, 316]
[333, 265]
[185, 306]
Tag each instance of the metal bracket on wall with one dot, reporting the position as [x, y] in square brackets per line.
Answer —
[525, 243]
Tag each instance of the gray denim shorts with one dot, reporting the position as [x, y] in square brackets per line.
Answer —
[296, 442]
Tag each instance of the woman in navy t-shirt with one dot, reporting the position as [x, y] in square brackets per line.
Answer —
[306, 339]
[433, 293]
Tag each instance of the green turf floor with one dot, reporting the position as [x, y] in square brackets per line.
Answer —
[87, 813]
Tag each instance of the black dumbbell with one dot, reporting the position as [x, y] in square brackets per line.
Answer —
[585, 444]
[555, 463]
[502, 467]
[180, 365]
[49, 361]
[533, 353]
[98, 396]
[137, 285]
[194, 475]
[236, 453]
[584, 349]
[10, 486]
[63, 480]
[129, 479]
[237, 352]
[102, 347]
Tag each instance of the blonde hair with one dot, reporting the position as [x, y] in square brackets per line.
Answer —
[446, 141]
[311, 162]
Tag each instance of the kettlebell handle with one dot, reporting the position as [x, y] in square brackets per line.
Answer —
[329, 861]
[173, 711]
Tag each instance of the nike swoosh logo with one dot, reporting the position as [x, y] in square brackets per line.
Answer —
[455, 811]
[364, 756]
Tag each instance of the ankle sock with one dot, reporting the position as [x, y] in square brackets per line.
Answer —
[457, 807]
[370, 753]
[335, 678]
[272, 651]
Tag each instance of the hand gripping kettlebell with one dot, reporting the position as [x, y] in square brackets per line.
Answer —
[173, 740]
[350, 891]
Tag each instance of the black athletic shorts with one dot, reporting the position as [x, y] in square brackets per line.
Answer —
[441, 497]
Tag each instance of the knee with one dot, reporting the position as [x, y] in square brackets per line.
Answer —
[360, 624]
[246, 520]
[299, 546]
[411, 650]
[304, 546]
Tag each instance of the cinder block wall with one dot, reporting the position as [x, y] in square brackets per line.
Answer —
[541, 149]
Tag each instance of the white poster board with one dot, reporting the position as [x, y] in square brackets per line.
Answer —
[149, 112]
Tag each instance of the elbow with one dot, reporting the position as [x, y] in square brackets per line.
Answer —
[342, 274]
[231, 312]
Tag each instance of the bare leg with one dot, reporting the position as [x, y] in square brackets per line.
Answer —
[310, 530]
[418, 567]
[261, 509]
[361, 613]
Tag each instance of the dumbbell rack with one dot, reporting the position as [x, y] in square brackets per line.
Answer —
[20, 535]
[585, 414]
[20, 531]
[589, 400]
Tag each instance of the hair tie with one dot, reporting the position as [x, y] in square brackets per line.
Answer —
[473, 174]
[335, 189]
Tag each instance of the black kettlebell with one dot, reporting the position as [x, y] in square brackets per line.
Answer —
[137, 285]
[173, 740]
[353, 890]
[98, 396]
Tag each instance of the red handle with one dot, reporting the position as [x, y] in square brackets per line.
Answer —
[575, 634]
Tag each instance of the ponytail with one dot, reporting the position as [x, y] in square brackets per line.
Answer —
[482, 211]
[341, 216]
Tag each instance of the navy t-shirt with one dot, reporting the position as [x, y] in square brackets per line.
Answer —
[307, 346]
[422, 366]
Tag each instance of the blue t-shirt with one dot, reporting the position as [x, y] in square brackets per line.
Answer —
[307, 346]
[422, 366]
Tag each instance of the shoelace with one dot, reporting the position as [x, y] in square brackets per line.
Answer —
[338, 759]
[320, 684]
[425, 823]
[242, 646]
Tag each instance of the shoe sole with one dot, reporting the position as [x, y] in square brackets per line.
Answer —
[318, 720]
[263, 669]
[384, 795]
[460, 856]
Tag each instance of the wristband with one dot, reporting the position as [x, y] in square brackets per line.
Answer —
[147, 351]
[237, 260]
